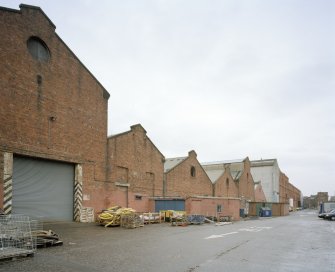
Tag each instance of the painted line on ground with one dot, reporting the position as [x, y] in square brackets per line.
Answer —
[220, 235]
[250, 229]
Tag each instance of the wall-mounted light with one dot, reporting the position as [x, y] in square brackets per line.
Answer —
[52, 118]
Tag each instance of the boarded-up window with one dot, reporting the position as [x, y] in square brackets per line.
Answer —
[122, 174]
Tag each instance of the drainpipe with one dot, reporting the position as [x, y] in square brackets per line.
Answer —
[164, 185]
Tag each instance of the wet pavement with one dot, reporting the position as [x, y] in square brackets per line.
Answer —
[298, 242]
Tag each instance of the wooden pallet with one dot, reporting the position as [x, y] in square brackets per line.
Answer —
[11, 253]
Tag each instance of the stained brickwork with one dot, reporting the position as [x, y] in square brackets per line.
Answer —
[259, 193]
[224, 184]
[187, 178]
[53, 109]
[135, 168]
[241, 174]
[283, 187]
[214, 206]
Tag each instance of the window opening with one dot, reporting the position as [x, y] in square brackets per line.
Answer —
[38, 49]
[192, 171]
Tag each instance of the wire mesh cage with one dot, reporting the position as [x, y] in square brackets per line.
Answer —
[15, 236]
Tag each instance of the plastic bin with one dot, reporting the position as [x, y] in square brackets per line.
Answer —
[265, 212]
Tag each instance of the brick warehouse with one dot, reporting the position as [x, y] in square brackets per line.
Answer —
[53, 115]
[55, 156]
[135, 169]
[232, 179]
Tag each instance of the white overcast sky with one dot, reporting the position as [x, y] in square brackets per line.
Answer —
[226, 78]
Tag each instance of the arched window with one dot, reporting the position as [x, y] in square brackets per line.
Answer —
[38, 49]
[227, 183]
[192, 171]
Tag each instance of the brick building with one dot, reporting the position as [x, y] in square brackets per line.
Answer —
[188, 187]
[267, 172]
[232, 179]
[259, 193]
[294, 195]
[55, 156]
[184, 177]
[283, 188]
[225, 189]
[241, 173]
[136, 169]
[276, 185]
[53, 115]
[223, 183]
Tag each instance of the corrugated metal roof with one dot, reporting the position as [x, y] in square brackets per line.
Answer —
[223, 162]
[267, 162]
[214, 174]
[236, 174]
[172, 162]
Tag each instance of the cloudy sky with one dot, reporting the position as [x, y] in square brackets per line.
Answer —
[226, 78]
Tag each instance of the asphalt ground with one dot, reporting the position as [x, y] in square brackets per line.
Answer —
[298, 242]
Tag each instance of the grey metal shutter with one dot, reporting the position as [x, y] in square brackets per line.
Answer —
[43, 189]
[175, 204]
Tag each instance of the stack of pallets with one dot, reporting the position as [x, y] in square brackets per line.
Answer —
[86, 215]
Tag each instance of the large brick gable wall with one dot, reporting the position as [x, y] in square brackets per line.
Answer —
[180, 182]
[52, 109]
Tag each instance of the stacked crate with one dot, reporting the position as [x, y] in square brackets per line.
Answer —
[86, 215]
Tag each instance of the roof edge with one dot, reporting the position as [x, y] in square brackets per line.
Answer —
[22, 6]
[105, 93]
[10, 10]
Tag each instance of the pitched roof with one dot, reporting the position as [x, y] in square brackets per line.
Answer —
[105, 93]
[132, 129]
[266, 162]
[236, 174]
[214, 174]
[214, 171]
[172, 162]
[223, 162]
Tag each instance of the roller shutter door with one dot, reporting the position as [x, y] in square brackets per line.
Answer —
[43, 189]
[174, 204]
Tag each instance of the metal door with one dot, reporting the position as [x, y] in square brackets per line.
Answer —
[43, 189]
[171, 204]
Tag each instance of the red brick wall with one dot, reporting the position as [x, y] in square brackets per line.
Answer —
[246, 182]
[208, 207]
[225, 185]
[66, 90]
[134, 160]
[179, 181]
[283, 188]
[259, 194]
